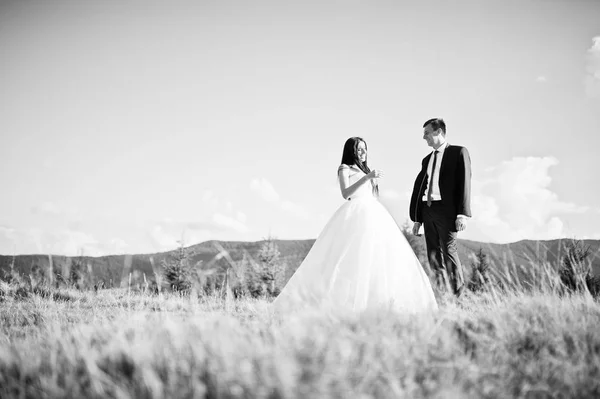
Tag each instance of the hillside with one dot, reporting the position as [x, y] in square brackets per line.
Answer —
[114, 270]
[528, 253]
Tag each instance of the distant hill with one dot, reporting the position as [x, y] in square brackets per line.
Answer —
[528, 253]
[115, 269]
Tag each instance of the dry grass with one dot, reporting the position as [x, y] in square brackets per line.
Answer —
[516, 343]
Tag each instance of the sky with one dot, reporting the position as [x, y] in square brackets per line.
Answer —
[128, 127]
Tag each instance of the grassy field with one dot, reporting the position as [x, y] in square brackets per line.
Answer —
[515, 344]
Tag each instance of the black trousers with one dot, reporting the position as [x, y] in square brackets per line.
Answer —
[439, 223]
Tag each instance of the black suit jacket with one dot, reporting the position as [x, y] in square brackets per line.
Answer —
[455, 184]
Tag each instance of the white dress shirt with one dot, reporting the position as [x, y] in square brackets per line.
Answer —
[434, 179]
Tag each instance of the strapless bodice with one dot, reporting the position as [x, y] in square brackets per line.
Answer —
[365, 190]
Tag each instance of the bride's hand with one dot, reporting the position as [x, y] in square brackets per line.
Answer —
[375, 174]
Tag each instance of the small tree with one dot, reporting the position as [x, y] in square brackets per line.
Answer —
[261, 277]
[479, 272]
[76, 273]
[177, 270]
[253, 284]
[37, 277]
[271, 267]
[576, 271]
[58, 276]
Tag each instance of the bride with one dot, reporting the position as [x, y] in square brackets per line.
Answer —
[361, 259]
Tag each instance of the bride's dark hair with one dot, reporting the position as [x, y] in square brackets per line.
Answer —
[350, 157]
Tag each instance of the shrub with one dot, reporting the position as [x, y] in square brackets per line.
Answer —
[76, 273]
[262, 277]
[576, 270]
[479, 272]
[178, 271]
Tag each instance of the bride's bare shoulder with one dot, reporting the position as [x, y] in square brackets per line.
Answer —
[344, 166]
[350, 169]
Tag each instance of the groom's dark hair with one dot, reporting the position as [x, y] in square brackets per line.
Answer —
[436, 123]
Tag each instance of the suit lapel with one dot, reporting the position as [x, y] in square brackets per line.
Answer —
[426, 162]
[447, 152]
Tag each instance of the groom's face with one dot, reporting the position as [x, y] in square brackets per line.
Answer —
[430, 135]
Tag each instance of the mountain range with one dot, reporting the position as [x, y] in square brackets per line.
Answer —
[216, 256]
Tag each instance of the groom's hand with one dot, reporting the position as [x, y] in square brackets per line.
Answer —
[461, 223]
[416, 228]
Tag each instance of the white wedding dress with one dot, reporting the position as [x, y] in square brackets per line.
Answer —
[360, 260]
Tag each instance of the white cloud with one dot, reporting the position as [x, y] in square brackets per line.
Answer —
[7, 231]
[73, 243]
[165, 239]
[541, 79]
[168, 234]
[229, 223]
[50, 211]
[46, 208]
[209, 197]
[295, 209]
[117, 246]
[514, 202]
[8, 241]
[265, 189]
[57, 242]
[592, 76]
[217, 219]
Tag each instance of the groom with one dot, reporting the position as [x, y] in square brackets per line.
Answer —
[441, 202]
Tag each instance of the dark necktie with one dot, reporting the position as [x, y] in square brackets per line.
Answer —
[430, 188]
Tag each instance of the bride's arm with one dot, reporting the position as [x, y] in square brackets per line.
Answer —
[344, 179]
